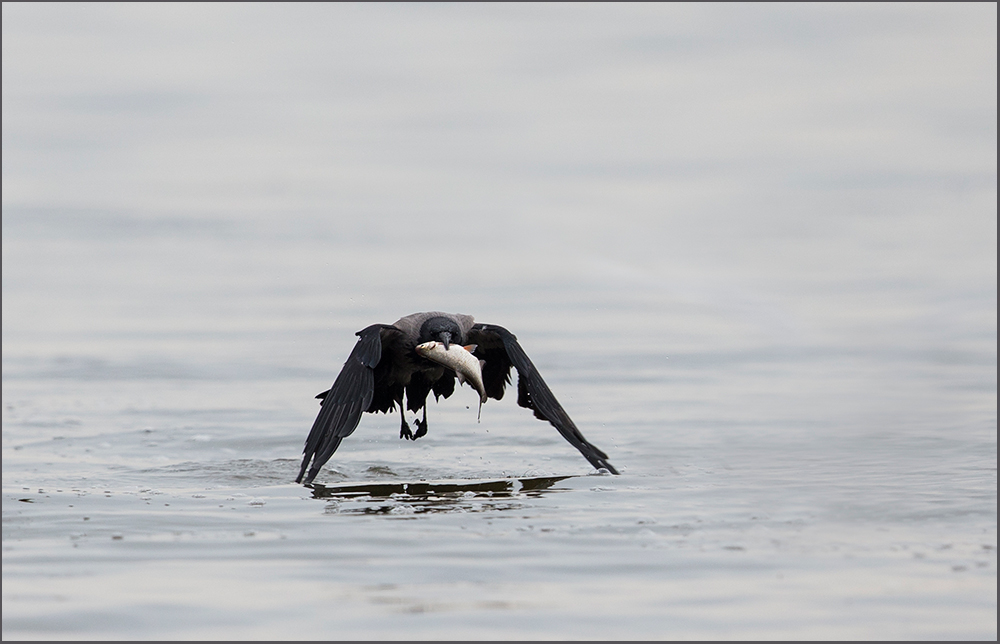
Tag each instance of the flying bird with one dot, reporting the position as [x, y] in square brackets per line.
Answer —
[385, 364]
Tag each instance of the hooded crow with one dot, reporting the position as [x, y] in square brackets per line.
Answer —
[384, 365]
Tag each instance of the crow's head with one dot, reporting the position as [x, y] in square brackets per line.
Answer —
[442, 329]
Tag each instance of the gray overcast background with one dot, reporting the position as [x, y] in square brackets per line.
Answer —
[736, 154]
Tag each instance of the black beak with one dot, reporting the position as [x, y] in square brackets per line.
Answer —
[445, 338]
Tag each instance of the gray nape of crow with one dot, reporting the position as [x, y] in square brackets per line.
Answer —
[384, 365]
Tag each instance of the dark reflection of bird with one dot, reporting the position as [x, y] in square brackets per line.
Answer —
[384, 365]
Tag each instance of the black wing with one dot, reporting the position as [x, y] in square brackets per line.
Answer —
[500, 349]
[344, 403]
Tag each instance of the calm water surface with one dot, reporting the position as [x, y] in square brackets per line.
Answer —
[752, 250]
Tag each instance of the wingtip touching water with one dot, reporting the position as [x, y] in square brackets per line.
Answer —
[384, 366]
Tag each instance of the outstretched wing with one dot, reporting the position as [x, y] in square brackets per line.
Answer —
[500, 349]
[344, 403]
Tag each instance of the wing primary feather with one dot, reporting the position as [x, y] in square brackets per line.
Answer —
[534, 393]
[344, 403]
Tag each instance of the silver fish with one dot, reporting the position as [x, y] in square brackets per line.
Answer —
[460, 360]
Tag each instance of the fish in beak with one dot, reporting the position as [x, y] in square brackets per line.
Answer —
[460, 360]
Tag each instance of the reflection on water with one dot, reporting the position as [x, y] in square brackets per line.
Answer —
[422, 497]
[504, 487]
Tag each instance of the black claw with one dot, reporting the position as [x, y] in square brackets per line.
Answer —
[421, 429]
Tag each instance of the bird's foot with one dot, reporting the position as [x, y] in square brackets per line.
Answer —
[404, 432]
[421, 429]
